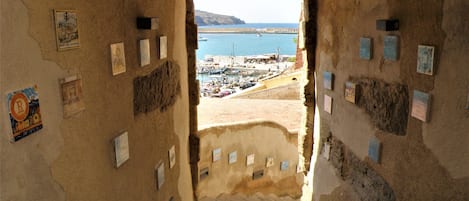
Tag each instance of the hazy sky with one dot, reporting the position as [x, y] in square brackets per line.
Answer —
[254, 10]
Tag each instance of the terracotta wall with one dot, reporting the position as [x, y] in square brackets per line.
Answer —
[263, 139]
[72, 158]
[418, 160]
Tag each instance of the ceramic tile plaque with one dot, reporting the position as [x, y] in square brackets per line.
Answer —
[24, 112]
[160, 175]
[172, 156]
[163, 47]
[72, 96]
[232, 157]
[216, 154]
[328, 80]
[425, 59]
[203, 173]
[421, 105]
[144, 52]
[117, 58]
[257, 174]
[350, 92]
[391, 48]
[269, 162]
[250, 159]
[121, 149]
[328, 104]
[365, 48]
[374, 149]
[66, 29]
[284, 165]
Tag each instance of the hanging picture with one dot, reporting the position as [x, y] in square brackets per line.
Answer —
[232, 157]
[425, 59]
[269, 162]
[250, 159]
[391, 48]
[163, 47]
[350, 92]
[66, 29]
[284, 165]
[328, 80]
[326, 152]
[374, 149]
[160, 175]
[172, 156]
[328, 104]
[121, 149]
[421, 105]
[24, 112]
[72, 96]
[216, 154]
[144, 52]
[117, 58]
[365, 48]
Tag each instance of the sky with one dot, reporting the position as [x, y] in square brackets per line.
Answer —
[254, 11]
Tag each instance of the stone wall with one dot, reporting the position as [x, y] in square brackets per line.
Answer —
[73, 158]
[417, 160]
[263, 139]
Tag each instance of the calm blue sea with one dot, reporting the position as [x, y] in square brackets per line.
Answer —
[247, 44]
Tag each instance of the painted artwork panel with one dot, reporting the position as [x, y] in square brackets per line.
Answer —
[328, 104]
[72, 96]
[374, 149]
[350, 92]
[216, 154]
[118, 58]
[144, 52]
[250, 159]
[160, 175]
[24, 112]
[172, 156]
[391, 48]
[269, 162]
[232, 157]
[425, 59]
[121, 148]
[284, 165]
[365, 48]
[328, 80]
[66, 29]
[163, 47]
[421, 105]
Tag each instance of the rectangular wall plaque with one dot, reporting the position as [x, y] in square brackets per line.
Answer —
[328, 80]
[350, 92]
[216, 154]
[24, 112]
[328, 104]
[150, 23]
[203, 173]
[284, 165]
[421, 105]
[269, 162]
[66, 29]
[172, 156]
[144, 52]
[391, 48]
[257, 174]
[121, 149]
[160, 175]
[326, 150]
[72, 96]
[117, 58]
[374, 149]
[250, 159]
[163, 47]
[365, 48]
[232, 157]
[425, 59]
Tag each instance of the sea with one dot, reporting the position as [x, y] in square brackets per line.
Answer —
[247, 44]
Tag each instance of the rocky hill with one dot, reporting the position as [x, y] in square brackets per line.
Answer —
[203, 18]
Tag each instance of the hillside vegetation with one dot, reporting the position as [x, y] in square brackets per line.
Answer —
[203, 18]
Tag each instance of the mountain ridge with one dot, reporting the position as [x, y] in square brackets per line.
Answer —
[204, 18]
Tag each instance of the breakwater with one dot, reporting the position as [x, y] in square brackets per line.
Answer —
[250, 30]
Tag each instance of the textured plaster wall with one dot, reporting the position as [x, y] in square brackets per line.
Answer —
[72, 158]
[264, 139]
[429, 162]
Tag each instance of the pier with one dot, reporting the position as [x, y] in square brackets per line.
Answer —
[250, 30]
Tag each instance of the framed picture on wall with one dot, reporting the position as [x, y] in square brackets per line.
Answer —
[425, 59]
[233, 157]
[172, 156]
[163, 47]
[118, 58]
[269, 162]
[121, 149]
[365, 48]
[24, 112]
[391, 48]
[284, 165]
[144, 52]
[421, 105]
[72, 95]
[160, 175]
[328, 104]
[328, 78]
[250, 159]
[66, 29]
[216, 154]
[350, 92]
